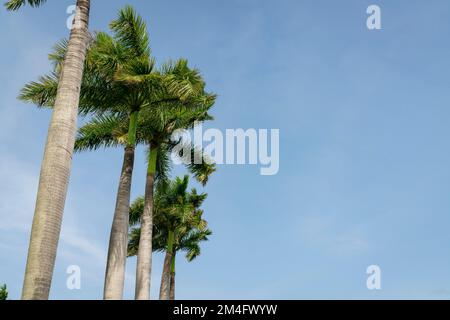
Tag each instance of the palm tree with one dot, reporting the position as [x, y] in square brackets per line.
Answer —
[3, 292]
[121, 79]
[188, 242]
[178, 214]
[56, 164]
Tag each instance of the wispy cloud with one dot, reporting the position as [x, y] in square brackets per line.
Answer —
[325, 233]
[17, 193]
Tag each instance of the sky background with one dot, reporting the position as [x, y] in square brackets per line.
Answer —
[364, 154]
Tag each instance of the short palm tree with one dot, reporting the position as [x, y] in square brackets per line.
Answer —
[55, 168]
[178, 218]
[120, 81]
[188, 242]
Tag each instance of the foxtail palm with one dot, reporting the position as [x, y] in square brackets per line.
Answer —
[56, 164]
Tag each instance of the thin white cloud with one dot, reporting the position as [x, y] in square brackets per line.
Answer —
[324, 233]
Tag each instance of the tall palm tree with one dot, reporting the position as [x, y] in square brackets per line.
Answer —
[56, 164]
[121, 79]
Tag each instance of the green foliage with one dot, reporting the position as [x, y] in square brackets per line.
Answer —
[155, 127]
[136, 211]
[102, 131]
[130, 30]
[16, 4]
[3, 292]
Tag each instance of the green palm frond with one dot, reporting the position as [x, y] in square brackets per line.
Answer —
[130, 30]
[13, 5]
[200, 165]
[183, 81]
[136, 211]
[201, 171]
[98, 92]
[42, 92]
[133, 242]
[177, 209]
[108, 55]
[163, 164]
[101, 131]
[58, 54]
[191, 243]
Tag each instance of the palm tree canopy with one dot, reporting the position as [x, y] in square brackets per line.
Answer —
[175, 209]
[120, 75]
[155, 128]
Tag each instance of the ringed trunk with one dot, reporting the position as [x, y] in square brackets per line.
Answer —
[56, 164]
[118, 242]
[164, 291]
[144, 257]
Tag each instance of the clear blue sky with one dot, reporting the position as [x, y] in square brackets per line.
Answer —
[364, 166]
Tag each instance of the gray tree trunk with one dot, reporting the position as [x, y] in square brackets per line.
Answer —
[144, 258]
[164, 291]
[56, 164]
[172, 286]
[118, 242]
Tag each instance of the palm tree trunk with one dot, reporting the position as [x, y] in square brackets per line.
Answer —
[172, 278]
[164, 291]
[117, 251]
[144, 257]
[56, 164]
[118, 241]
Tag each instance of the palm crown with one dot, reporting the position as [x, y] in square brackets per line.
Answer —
[175, 209]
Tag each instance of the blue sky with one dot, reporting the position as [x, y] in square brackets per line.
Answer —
[364, 155]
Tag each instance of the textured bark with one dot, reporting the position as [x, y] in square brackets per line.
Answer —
[172, 286]
[164, 291]
[117, 252]
[56, 164]
[144, 257]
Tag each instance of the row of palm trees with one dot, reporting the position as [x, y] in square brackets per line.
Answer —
[127, 100]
